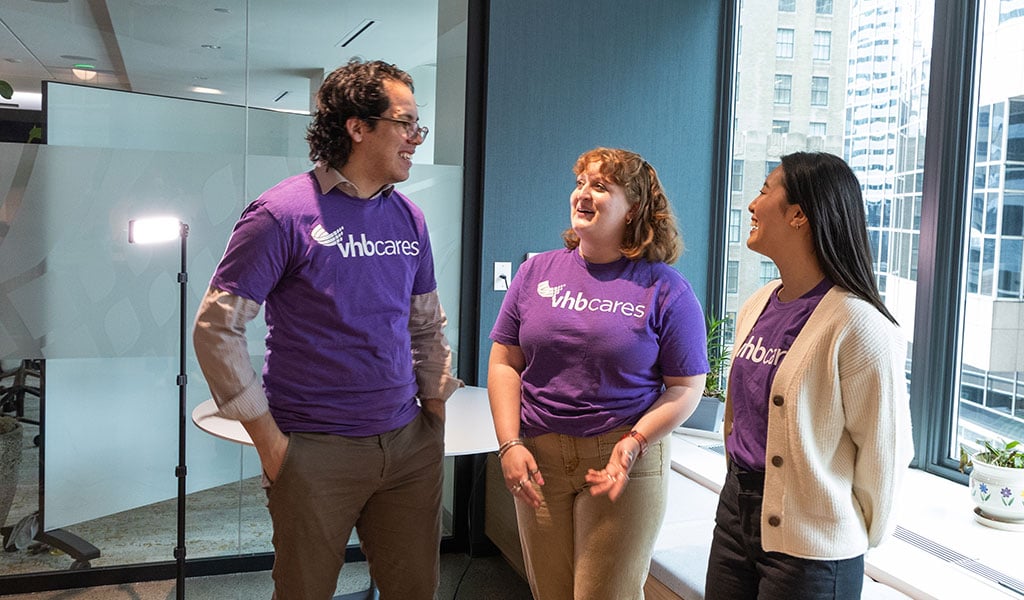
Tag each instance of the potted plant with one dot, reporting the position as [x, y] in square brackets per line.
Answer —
[711, 410]
[10, 458]
[997, 481]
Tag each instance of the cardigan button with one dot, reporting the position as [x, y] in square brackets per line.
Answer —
[774, 521]
[776, 461]
[777, 400]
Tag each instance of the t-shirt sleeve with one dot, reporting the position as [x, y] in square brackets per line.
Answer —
[256, 257]
[424, 280]
[683, 334]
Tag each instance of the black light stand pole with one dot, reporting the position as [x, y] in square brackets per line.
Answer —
[181, 470]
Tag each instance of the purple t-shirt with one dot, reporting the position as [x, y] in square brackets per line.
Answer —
[337, 275]
[754, 365]
[598, 339]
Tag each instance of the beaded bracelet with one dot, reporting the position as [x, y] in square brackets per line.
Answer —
[640, 439]
[508, 446]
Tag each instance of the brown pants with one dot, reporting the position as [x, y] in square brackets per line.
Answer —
[388, 487]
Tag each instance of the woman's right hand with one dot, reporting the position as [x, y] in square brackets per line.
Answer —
[521, 473]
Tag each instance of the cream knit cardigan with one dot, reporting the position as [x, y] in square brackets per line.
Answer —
[839, 438]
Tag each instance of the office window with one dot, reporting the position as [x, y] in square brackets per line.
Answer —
[981, 146]
[1008, 283]
[732, 277]
[1015, 131]
[881, 58]
[730, 328]
[769, 166]
[783, 88]
[784, 43]
[768, 271]
[995, 140]
[991, 399]
[787, 5]
[819, 91]
[737, 175]
[735, 225]
[1013, 214]
[822, 49]
[779, 126]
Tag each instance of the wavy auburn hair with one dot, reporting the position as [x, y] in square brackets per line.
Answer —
[652, 234]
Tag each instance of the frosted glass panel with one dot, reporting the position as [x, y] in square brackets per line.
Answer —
[104, 314]
[80, 115]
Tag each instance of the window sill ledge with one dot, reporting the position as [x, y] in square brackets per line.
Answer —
[932, 507]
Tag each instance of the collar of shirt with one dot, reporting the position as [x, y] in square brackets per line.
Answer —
[330, 178]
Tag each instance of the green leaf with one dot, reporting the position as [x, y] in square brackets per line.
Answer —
[6, 90]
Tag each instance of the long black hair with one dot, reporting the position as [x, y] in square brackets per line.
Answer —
[829, 194]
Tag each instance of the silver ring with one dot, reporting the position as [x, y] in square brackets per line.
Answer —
[611, 477]
[516, 488]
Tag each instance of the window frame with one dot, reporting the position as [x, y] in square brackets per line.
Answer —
[819, 51]
[785, 42]
[819, 96]
[787, 90]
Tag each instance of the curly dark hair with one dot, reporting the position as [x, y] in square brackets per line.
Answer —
[352, 90]
[652, 234]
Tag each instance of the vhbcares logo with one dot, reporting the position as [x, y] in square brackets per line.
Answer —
[756, 353]
[578, 303]
[352, 247]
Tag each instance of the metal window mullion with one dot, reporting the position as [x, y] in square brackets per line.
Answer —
[947, 171]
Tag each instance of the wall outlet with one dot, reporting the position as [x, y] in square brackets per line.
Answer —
[502, 275]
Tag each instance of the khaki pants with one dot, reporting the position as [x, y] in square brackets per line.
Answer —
[388, 487]
[584, 547]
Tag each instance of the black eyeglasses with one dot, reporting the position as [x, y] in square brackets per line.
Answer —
[412, 129]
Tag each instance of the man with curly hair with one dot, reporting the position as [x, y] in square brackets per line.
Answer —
[349, 418]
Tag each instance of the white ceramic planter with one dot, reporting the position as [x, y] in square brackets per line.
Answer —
[998, 491]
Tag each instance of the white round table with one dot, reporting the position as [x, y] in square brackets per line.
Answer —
[468, 428]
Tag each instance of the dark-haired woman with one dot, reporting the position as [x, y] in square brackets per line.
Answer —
[817, 422]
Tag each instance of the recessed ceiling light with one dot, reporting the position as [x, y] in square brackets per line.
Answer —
[211, 46]
[206, 90]
[226, 11]
[13, 60]
[84, 74]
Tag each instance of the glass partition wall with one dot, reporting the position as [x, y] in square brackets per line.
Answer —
[192, 110]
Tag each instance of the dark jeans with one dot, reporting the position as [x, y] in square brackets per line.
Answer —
[739, 568]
